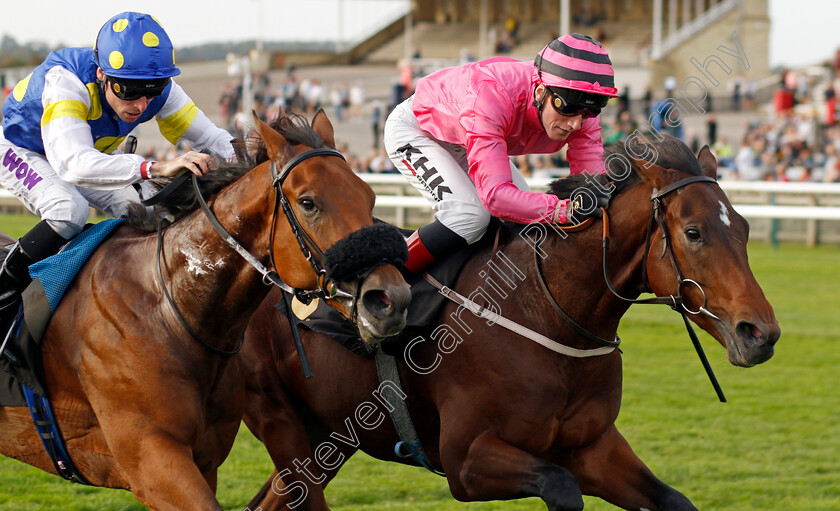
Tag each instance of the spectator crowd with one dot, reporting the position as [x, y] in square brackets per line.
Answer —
[795, 140]
[800, 142]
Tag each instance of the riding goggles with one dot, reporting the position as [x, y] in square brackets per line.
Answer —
[130, 90]
[572, 102]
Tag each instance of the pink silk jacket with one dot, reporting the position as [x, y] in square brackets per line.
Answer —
[487, 107]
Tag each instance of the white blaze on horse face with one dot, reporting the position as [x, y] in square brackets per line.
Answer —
[724, 214]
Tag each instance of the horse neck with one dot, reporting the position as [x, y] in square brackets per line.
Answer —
[574, 272]
[214, 287]
[629, 217]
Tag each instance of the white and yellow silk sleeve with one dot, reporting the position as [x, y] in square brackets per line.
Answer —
[180, 119]
[68, 142]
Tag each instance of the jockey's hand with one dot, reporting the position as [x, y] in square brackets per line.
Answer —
[585, 203]
[193, 161]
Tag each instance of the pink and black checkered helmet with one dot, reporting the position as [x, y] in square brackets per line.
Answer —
[576, 62]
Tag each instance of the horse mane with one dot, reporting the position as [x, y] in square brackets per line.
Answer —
[669, 153]
[250, 152]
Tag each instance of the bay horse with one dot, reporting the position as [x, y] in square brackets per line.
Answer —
[503, 417]
[141, 403]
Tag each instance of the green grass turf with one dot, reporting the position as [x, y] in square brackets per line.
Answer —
[16, 225]
[774, 446]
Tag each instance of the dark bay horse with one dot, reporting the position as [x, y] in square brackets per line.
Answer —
[504, 417]
[141, 403]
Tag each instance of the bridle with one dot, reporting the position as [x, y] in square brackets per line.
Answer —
[674, 301]
[656, 215]
[606, 346]
[314, 255]
[326, 290]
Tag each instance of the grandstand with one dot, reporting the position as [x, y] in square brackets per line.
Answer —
[446, 32]
[648, 40]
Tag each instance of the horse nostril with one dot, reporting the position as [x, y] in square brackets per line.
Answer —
[385, 299]
[752, 335]
[382, 302]
[376, 301]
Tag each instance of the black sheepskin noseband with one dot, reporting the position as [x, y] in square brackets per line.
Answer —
[358, 253]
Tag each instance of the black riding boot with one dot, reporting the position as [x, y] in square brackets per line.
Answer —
[39, 243]
[14, 276]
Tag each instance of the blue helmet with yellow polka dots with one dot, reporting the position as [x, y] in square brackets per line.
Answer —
[134, 46]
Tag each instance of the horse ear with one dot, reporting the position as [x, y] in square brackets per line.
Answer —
[707, 162]
[274, 141]
[324, 128]
[653, 174]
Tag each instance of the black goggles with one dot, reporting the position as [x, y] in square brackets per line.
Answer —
[572, 102]
[130, 90]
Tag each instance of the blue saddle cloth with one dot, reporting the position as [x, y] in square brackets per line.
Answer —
[58, 271]
[26, 378]
[55, 274]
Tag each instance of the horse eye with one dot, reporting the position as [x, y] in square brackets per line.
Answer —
[307, 204]
[693, 234]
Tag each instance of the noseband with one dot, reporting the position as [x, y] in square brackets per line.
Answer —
[674, 301]
[308, 247]
[656, 215]
[328, 289]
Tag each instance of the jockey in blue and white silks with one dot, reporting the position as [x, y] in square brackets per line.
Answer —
[63, 123]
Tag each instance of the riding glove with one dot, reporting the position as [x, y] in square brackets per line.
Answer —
[585, 203]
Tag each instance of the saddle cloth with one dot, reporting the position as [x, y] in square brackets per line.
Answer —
[51, 277]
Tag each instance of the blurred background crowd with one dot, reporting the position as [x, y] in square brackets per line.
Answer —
[761, 123]
[794, 137]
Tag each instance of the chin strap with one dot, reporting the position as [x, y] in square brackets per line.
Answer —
[539, 102]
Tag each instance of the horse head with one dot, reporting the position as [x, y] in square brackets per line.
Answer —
[696, 247]
[327, 239]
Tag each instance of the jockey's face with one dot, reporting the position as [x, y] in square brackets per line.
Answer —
[127, 110]
[557, 126]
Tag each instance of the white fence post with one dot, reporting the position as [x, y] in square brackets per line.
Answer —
[818, 204]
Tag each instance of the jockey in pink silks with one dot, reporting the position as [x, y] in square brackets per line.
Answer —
[454, 137]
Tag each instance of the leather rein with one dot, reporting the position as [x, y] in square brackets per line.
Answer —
[313, 254]
[674, 301]
[608, 346]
